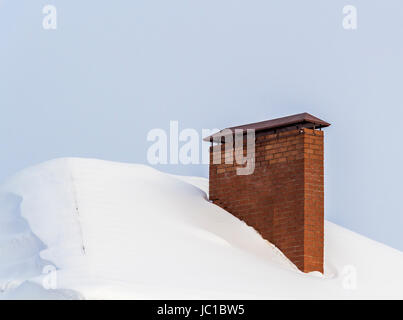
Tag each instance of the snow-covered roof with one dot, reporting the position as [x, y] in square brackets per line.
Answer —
[115, 230]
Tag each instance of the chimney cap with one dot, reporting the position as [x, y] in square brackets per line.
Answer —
[305, 120]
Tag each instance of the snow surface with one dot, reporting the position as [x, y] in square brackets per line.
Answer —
[126, 231]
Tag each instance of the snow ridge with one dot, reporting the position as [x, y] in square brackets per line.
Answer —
[77, 210]
[126, 231]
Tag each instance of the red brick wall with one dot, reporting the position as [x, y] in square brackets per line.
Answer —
[283, 198]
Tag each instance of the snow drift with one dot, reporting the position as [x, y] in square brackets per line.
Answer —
[123, 231]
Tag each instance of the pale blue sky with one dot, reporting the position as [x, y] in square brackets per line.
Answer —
[113, 70]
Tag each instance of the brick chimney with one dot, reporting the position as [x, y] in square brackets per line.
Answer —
[283, 197]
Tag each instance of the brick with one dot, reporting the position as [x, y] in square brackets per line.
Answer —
[283, 198]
